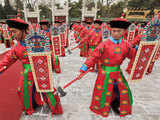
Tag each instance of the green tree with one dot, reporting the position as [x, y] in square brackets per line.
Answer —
[116, 10]
[19, 4]
[75, 11]
[104, 7]
[2, 15]
[45, 12]
[9, 10]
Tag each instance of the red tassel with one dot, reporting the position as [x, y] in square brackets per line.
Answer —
[58, 108]
[30, 111]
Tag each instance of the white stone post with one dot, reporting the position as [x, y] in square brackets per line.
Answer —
[95, 10]
[67, 12]
[25, 11]
[83, 9]
[53, 11]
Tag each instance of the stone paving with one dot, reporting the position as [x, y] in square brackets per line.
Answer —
[146, 94]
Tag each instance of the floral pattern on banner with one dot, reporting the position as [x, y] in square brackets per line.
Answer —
[40, 64]
[144, 57]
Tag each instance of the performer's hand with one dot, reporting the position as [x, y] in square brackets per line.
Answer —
[1, 69]
[136, 47]
[79, 44]
[83, 68]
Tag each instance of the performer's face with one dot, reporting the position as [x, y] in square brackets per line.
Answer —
[17, 34]
[117, 33]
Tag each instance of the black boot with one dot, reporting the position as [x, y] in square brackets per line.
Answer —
[115, 106]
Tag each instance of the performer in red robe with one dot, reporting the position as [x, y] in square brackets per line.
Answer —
[77, 28]
[111, 88]
[28, 95]
[45, 27]
[94, 38]
[84, 33]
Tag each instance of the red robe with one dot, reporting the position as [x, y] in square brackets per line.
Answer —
[111, 56]
[18, 52]
[93, 39]
[55, 58]
[84, 46]
[75, 29]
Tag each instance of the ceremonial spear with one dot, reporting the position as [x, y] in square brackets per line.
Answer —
[61, 90]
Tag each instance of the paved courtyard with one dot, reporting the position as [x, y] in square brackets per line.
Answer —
[146, 94]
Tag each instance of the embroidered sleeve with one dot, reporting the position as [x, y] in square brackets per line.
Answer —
[9, 59]
[95, 55]
[131, 52]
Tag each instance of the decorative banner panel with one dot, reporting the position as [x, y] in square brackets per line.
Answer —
[66, 37]
[157, 53]
[37, 42]
[63, 40]
[42, 71]
[143, 58]
[131, 32]
[56, 45]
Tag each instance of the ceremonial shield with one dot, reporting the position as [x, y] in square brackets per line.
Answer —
[147, 49]
[42, 71]
[131, 32]
[56, 41]
[152, 33]
[39, 53]
[62, 31]
[157, 53]
[63, 40]
[56, 45]
[143, 58]
[66, 37]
